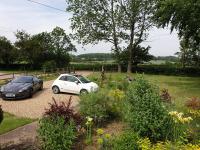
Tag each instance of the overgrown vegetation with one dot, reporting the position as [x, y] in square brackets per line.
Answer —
[58, 127]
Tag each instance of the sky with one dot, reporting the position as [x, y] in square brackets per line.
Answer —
[33, 18]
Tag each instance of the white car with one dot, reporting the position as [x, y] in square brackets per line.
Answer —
[72, 83]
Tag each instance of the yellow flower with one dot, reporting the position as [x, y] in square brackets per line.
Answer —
[100, 141]
[107, 136]
[100, 131]
[89, 119]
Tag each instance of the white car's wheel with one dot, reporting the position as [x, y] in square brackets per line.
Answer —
[56, 90]
[83, 91]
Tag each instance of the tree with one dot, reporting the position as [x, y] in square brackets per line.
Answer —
[40, 48]
[182, 15]
[60, 46]
[188, 55]
[31, 50]
[8, 53]
[141, 55]
[124, 23]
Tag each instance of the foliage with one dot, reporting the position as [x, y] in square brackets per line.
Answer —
[180, 15]
[95, 106]
[46, 46]
[56, 134]
[141, 55]
[145, 144]
[89, 123]
[97, 21]
[193, 103]
[127, 140]
[103, 139]
[48, 65]
[1, 114]
[63, 110]
[145, 112]
[102, 105]
[165, 96]
[8, 54]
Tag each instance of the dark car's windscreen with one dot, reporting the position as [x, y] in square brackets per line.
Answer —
[83, 80]
[23, 80]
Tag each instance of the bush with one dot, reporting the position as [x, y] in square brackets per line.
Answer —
[1, 114]
[48, 65]
[145, 112]
[55, 134]
[126, 141]
[63, 110]
[95, 106]
[103, 105]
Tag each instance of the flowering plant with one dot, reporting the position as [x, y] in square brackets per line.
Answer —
[89, 122]
[103, 139]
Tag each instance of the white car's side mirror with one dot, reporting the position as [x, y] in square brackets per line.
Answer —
[77, 82]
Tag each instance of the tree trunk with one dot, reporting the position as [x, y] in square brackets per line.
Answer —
[119, 67]
[130, 48]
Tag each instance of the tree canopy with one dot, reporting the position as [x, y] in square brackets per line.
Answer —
[124, 23]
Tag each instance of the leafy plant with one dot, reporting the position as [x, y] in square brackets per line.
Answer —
[103, 105]
[63, 110]
[103, 139]
[193, 103]
[1, 114]
[145, 112]
[55, 134]
[95, 106]
[126, 141]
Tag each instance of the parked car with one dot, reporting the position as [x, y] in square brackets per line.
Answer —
[21, 87]
[73, 83]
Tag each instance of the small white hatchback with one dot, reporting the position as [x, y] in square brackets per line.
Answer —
[73, 83]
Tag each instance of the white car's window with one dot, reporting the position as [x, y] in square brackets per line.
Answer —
[63, 78]
[71, 79]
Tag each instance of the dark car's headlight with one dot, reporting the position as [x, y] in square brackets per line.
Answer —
[2, 89]
[23, 89]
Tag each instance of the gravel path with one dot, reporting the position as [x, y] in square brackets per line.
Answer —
[35, 106]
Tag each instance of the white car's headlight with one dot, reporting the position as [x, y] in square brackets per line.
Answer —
[23, 89]
[91, 88]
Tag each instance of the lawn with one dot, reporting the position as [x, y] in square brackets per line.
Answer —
[11, 122]
[181, 88]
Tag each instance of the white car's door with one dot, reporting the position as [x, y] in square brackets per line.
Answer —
[71, 85]
[62, 82]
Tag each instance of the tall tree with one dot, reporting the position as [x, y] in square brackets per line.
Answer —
[182, 15]
[124, 23]
[61, 46]
[8, 53]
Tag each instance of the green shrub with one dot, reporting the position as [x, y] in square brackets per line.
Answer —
[145, 112]
[55, 134]
[101, 106]
[96, 106]
[126, 141]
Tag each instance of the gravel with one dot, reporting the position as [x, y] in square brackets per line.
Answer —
[34, 107]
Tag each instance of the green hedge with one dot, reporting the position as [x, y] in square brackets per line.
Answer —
[149, 69]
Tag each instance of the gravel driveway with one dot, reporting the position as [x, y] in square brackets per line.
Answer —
[34, 107]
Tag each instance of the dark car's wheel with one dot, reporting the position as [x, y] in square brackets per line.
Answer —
[56, 90]
[83, 91]
[41, 87]
[30, 93]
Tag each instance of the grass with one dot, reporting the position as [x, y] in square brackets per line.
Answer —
[11, 122]
[180, 88]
